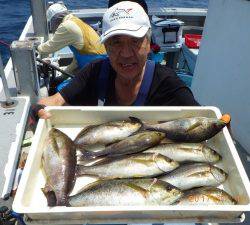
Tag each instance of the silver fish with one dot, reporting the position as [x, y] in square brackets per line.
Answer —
[133, 144]
[131, 166]
[126, 192]
[195, 175]
[59, 164]
[106, 133]
[206, 196]
[187, 152]
[195, 129]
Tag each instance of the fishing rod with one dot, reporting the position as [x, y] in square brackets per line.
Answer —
[43, 62]
[54, 67]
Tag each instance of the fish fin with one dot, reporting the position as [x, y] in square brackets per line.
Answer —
[50, 195]
[81, 173]
[193, 126]
[89, 154]
[167, 141]
[164, 121]
[90, 185]
[105, 160]
[92, 162]
[89, 175]
[84, 131]
[53, 142]
[62, 200]
[142, 191]
[55, 146]
[146, 127]
[137, 120]
[42, 166]
[93, 147]
[78, 171]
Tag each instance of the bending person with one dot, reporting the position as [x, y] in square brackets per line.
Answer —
[73, 32]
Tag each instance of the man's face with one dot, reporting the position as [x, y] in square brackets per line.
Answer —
[127, 54]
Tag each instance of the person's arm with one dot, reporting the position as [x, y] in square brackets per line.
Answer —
[72, 66]
[54, 100]
[66, 34]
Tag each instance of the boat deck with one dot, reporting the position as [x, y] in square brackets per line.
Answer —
[93, 15]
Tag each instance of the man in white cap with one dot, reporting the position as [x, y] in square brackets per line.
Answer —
[71, 31]
[127, 77]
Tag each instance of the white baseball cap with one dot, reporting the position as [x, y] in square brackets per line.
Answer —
[125, 18]
[55, 9]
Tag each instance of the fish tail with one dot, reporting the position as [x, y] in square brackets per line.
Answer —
[77, 173]
[147, 127]
[89, 154]
[137, 120]
[80, 170]
[62, 200]
[50, 196]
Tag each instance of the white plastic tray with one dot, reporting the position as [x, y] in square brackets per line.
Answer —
[31, 201]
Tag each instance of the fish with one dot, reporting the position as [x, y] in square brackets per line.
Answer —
[195, 175]
[106, 133]
[85, 161]
[206, 196]
[126, 192]
[130, 166]
[132, 144]
[194, 129]
[187, 152]
[59, 167]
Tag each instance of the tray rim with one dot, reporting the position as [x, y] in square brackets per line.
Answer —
[18, 207]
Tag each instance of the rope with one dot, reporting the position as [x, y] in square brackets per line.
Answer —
[4, 43]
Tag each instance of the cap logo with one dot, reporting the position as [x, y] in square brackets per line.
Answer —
[120, 14]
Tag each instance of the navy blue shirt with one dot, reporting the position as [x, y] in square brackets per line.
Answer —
[167, 89]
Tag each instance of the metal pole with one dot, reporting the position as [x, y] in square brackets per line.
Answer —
[5, 84]
[25, 70]
[40, 25]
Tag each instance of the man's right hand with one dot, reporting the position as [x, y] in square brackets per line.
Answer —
[43, 114]
[38, 111]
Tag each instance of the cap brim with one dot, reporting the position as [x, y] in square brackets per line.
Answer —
[125, 29]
